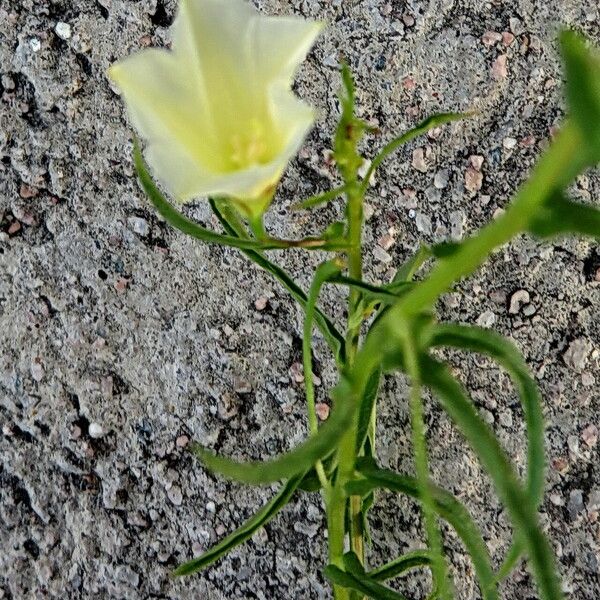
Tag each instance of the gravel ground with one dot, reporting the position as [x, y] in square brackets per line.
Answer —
[121, 339]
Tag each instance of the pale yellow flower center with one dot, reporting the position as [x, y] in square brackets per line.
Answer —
[250, 147]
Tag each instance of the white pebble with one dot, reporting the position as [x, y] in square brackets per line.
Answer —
[519, 299]
[63, 30]
[381, 255]
[96, 430]
[175, 495]
[35, 44]
[486, 319]
[139, 225]
[440, 181]
[509, 143]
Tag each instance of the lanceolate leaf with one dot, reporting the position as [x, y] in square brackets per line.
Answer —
[299, 460]
[518, 503]
[399, 566]
[423, 127]
[319, 199]
[243, 533]
[582, 67]
[445, 504]
[477, 339]
[560, 216]
[484, 341]
[365, 410]
[361, 583]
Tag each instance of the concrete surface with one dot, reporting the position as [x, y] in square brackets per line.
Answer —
[121, 339]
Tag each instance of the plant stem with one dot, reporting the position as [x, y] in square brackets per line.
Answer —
[347, 449]
[355, 223]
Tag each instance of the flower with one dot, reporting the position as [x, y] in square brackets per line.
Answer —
[217, 111]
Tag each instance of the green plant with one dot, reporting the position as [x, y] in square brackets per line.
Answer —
[339, 457]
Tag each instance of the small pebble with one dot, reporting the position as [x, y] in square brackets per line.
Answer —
[35, 44]
[457, 224]
[8, 83]
[515, 25]
[14, 227]
[297, 372]
[499, 69]
[227, 407]
[175, 495]
[560, 464]
[473, 180]
[63, 30]
[28, 191]
[381, 255]
[507, 38]
[577, 354]
[519, 299]
[139, 225]
[419, 161]
[575, 504]
[476, 161]
[386, 241]
[211, 507]
[261, 303]
[37, 369]
[408, 19]
[590, 435]
[423, 222]
[509, 143]
[121, 284]
[95, 430]
[489, 38]
[440, 181]
[506, 419]
[182, 441]
[486, 319]
[322, 410]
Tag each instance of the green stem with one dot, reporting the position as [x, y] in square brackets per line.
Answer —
[347, 460]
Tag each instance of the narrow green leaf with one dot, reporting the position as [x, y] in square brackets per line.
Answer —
[365, 409]
[455, 402]
[374, 293]
[399, 566]
[360, 583]
[299, 460]
[332, 336]
[445, 504]
[445, 249]
[484, 341]
[560, 216]
[504, 352]
[324, 272]
[243, 533]
[582, 66]
[423, 127]
[411, 266]
[321, 198]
